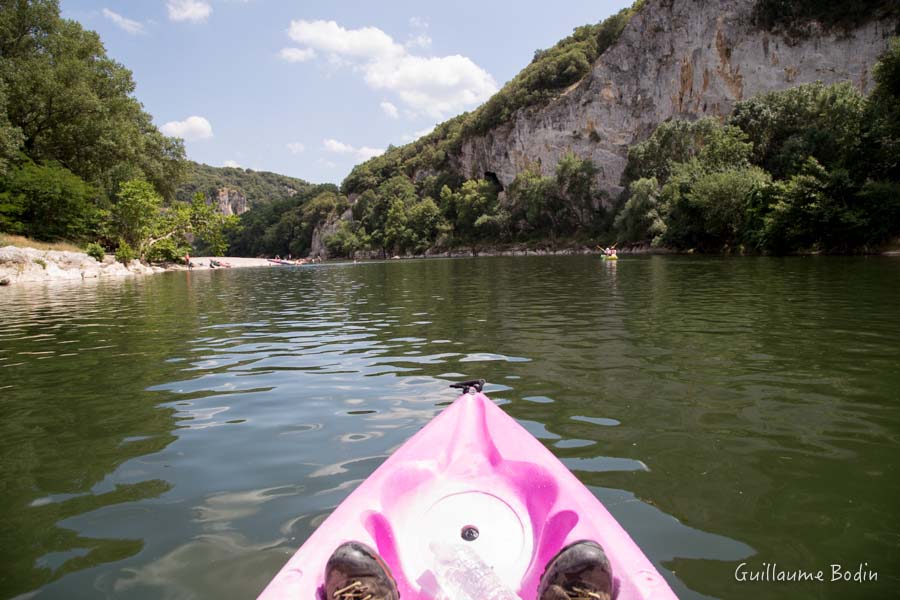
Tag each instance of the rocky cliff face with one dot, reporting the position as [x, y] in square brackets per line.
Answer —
[230, 201]
[675, 59]
[322, 232]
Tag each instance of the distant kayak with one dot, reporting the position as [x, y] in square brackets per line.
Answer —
[473, 479]
[613, 257]
[286, 263]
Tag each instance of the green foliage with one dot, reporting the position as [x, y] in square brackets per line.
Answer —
[548, 75]
[880, 144]
[424, 222]
[47, 202]
[142, 221]
[274, 226]
[576, 188]
[41, 262]
[705, 208]
[815, 120]
[136, 216]
[71, 131]
[476, 198]
[71, 103]
[550, 72]
[344, 241]
[533, 198]
[809, 168]
[259, 187]
[795, 16]
[10, 136]
[125, 253]
[674, 142]
[880, 202]
[210, 227]
[95, 251]
[640, 219]
[168, 250]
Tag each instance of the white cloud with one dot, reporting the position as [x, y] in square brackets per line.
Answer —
[124, 23]
[422, 40]
[231, 163]
[196, 11]
[364, 153]
[390, 110]
[435, 86]
[297, 54]
[328, 36]
[336, 146]
[192, 128]
[326, 163]
[296, 147]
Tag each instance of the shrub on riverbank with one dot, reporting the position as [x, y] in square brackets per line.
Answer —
[95, 251]
[125, 253]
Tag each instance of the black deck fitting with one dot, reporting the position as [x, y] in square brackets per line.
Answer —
[478, 384]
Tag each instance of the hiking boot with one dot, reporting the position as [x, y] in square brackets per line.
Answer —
[580, 571]
[356, 572]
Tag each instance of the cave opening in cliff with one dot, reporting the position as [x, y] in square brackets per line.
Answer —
[492, 177]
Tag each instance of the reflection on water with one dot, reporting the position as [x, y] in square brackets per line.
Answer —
[180, 435]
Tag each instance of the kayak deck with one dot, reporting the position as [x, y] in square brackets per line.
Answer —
[472, 466]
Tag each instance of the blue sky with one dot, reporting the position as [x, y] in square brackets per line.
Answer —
[310, 89]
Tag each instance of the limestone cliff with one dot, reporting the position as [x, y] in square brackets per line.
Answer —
[230, 201]
[318, 248]
[674, 59]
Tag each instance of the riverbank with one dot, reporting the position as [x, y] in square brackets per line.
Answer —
[32, 265]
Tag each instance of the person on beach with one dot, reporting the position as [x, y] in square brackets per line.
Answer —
[187, 261]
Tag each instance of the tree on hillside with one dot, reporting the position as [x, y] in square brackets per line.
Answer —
[576, 188]
[475, 199]
[787, 126]
[141, 220]
[640, 219]
[881, 130]
[533, 201]
[47, 202]
[74, 105]
[10, 136]
[674, 142]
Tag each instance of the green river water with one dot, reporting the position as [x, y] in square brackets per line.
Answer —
[180, 435]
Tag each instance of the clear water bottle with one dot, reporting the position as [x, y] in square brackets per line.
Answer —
[462, 575]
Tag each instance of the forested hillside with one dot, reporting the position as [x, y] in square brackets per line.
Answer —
[257, 186]
[80, 160]
[811, 167]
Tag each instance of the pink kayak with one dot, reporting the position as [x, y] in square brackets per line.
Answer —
[472, 468]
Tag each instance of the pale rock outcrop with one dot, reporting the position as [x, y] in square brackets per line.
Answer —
[675, 59]
[318, 249]
[22, 265]
[230, 201]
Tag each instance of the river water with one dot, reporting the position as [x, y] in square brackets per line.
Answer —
[180, 435]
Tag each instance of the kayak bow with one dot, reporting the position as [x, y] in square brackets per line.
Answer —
[470, 468]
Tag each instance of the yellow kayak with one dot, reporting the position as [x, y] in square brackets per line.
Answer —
[613, 257]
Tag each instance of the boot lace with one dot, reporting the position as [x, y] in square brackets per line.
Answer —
[579, 593]
[354, 591]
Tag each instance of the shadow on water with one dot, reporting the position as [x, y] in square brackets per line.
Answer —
[180, 435]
